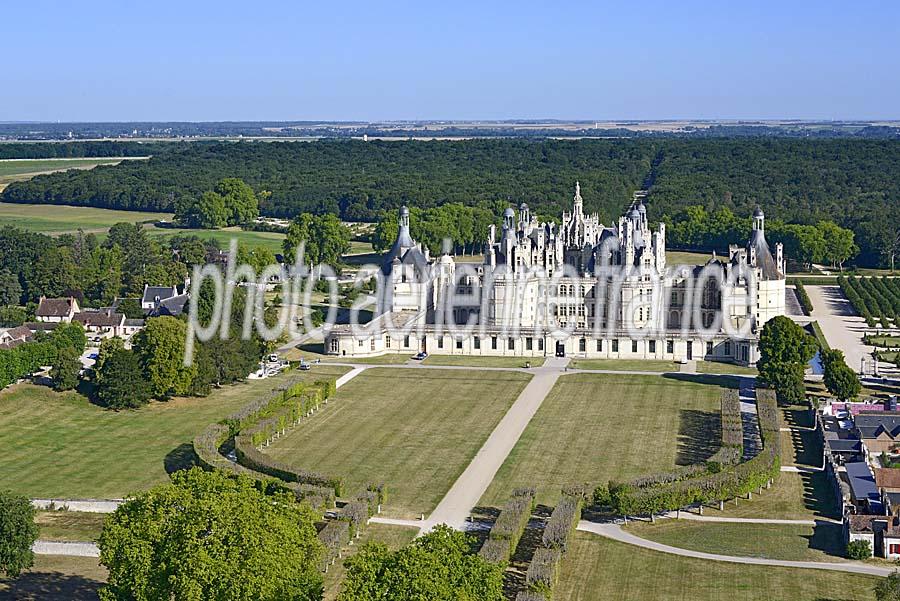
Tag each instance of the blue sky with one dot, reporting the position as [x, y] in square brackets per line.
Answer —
[121, 61]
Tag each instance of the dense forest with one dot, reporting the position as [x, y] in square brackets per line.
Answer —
[855, 183]
[76, 150]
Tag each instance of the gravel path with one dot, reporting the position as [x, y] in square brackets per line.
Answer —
[615, 532]
[72, 549]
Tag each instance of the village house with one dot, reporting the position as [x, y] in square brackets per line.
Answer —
[105, 322]
[153, 296]
[13, 337]
[56, 310]
[879, 431]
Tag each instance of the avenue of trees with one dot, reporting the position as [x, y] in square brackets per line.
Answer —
[853, 182]
[875, 299]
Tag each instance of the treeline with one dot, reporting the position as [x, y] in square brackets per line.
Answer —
[76, 150]
[854, 182]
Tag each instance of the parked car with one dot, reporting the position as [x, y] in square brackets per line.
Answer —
[421, 356]
[304, 366]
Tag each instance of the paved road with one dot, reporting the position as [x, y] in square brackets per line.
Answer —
[843, 329]
[43, 547]
[456, 506]
[615, 532]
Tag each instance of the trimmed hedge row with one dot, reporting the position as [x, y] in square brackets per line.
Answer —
[543, 572]
[509, 526]
[562, 522]
[320, 497]
[732, 424]
[249, 457]
[803, 298]
[733, 481]
[875, 299]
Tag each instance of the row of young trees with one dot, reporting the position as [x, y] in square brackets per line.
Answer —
[876, 299]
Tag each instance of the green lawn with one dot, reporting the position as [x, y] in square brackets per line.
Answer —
[597, 568]
[682, 257]
[597, 427]
[415, 430]
[651, 365]
[58, 219]
[466, 360]
[823, 542]
[70, 525]
[793, 496]
[885, 341]
[56, 577]
[59, 445]
[395, 537]
[717, 367]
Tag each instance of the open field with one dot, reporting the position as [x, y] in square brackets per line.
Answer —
[270, 240]
[597, 427]
[69, 525]
[475, 361]
[59, 445]
[56, 577]
[651, 365]
[395, 537]
[21, 169]
[598, 568]
[59, 219]
[414, 430]
[822, 542]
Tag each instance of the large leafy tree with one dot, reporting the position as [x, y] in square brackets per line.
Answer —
[70, 335]
[211, 536]
[839, 244]
[66, 366]
[439, 566]
[10, 289]
[327, 239]
[240, 201]
[840, 380]
[17, 533]
[785, 349]
[160, 350]
[120, 381]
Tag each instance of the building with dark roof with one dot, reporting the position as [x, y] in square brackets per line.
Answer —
[863, 492]
[56, 310]
[879, 431]
[154, 295]
[101, 322]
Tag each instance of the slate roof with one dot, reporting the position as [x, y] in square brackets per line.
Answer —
[99, 319]
[135, 323]
[870, 425]
[862, 483]
[840, 445]
[764, 260]
[55, 307]
[172, 306]
[163, 292]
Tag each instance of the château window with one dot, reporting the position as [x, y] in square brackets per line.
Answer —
[406, 342]
[387, 342]
[459, 343]
[334, 345]
[477, 341]
[511, 344]
[540, 344]
[528, 344]
[709, 348]
[361, 342]
[372, 344]
[651, 346]
[670, 346]
[615, 345]
[440, 342]
[634, 346]
[582, 345]
[599, 346]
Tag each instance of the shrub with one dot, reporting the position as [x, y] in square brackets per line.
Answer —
[320, 497]
[356, 514]
[803, 298]
[859, 549]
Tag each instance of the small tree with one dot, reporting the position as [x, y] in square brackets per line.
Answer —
[17, 534]
[859, 549]
[841, 381]
[888, 589]
[66, 367]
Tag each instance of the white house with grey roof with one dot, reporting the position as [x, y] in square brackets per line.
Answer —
[641, 312]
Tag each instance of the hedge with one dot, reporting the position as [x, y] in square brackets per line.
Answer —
[735, 480]
[562, 522]
[249, 457]
[732, 423]
[803, 298]
[318, 496]
[356, 514]
[510, 525]
[543, 572]
[496, 551]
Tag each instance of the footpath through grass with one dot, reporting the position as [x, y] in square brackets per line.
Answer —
[414, 430]
[600, 427]
[597, 568]
[59, 445]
